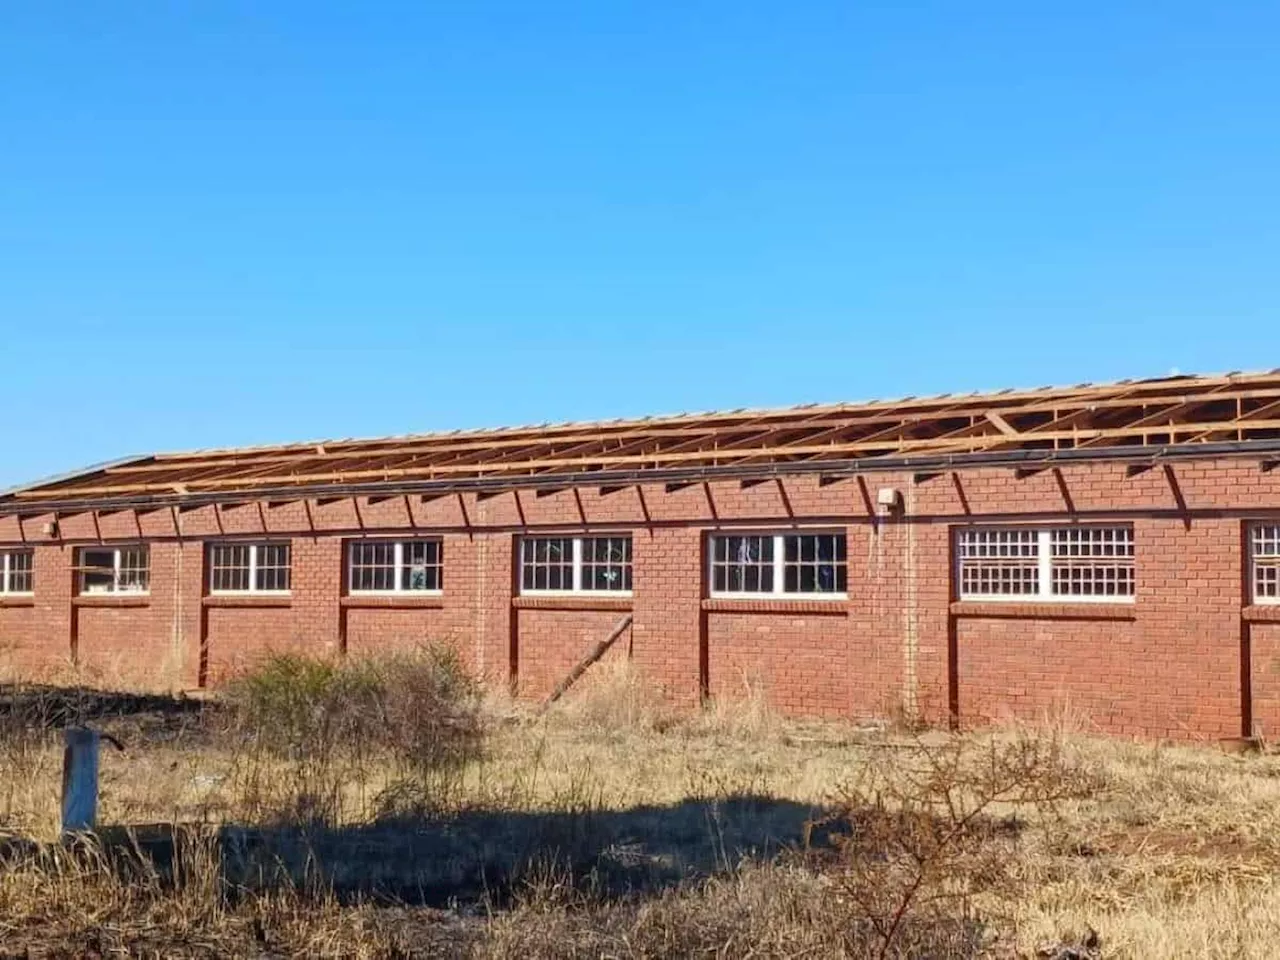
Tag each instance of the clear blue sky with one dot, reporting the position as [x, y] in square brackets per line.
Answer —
[234, 222]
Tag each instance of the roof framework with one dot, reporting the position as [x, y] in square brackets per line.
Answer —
[1145, 417]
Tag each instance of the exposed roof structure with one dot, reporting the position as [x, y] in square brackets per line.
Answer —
[1178, 416]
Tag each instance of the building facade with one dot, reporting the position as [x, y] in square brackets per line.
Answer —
[1108, 554]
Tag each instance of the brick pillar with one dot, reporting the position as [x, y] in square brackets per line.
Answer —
[1188, 674]
[666, 634]
[933, 622]
[316, 582]
[493, 617]
[55, 586]
[187, 613]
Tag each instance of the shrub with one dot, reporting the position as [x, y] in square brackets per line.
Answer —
[313, 731]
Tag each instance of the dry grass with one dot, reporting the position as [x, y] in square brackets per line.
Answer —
[613, 826]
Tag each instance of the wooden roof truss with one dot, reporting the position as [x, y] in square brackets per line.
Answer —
[1168, 415]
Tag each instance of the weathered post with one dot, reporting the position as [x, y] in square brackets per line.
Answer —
[80, 780]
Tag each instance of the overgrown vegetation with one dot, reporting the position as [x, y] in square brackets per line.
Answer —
[382, 809]
[319, 740]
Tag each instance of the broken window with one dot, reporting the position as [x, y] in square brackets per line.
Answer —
[575, 564]
[114, 569]
[394, 566]
[784, 564]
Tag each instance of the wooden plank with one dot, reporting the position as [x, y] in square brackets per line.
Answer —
[1026, 401]
[696, 434]
[722, 455]
[599, 651]
[1001, 424]
[736, 437]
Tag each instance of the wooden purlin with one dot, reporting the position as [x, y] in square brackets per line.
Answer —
[306, 461]
[691, 458]
[1245, 420]
[1131, 412]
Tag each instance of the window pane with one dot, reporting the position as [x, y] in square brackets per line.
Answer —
[546, 563]
[1265, 549]
[742, 564]
[1092, 562]
[606, 563]
[373, 565]
[421, 566]
[134, 575]
[21, 577]
[228, 567]
[97, 571]
[273, 567]
[1082, 562]
[997, 563]
[810, 565]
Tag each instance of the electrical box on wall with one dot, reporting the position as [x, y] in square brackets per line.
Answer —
[888, 499]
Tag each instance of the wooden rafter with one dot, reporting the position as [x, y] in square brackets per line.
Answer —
[1174, 411]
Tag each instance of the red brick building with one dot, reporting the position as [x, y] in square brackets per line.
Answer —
[1112, 552]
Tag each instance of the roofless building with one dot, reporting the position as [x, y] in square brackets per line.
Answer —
[1108, 552]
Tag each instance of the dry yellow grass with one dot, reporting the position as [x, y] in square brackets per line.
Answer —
[1172, 852]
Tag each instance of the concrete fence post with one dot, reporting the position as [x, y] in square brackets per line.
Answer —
[80, 780]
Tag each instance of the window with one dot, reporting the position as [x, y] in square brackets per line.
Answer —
[115, 569]
[394, 566]
[789, 564]
[249, 567]
[575, 564]
[1264, 551]
[16, 574]
[1060, 563]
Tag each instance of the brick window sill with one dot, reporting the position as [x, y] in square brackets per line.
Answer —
[108, 601]
[1045, 611]
[572, 603]
[246, 600]
[1262, 613]
[17, 601]
[407, 602]
[831, 608]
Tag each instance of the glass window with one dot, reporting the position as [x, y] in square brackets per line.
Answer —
[785, 564]
[1264, 544]
[17, 571]
[575, 564]
[114, 569]
[1047, 563]
[249, 567]
[394, 566]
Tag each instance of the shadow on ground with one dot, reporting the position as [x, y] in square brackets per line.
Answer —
[474, 855]
[129, 716]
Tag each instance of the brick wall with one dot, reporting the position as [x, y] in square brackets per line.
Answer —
[1189, 658]
[552, 641]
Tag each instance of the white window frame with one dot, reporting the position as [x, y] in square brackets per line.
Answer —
[1044, 561]
[1253, 530]
[576, 590]
[779, 566]
[398, 590]
[116, 589]
[6, 569]
[253, 568]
